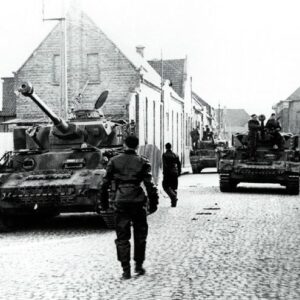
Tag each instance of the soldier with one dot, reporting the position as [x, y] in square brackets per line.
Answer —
[171, 171]
[195, 137]
[273, 127]
[126, 172]
[206, 134]
[253, 127]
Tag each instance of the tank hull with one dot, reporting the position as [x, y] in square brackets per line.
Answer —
[72, 184]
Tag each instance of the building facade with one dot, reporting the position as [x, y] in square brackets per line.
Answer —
[231, 121]
[8, 111]
[94, 63]
[288, 113]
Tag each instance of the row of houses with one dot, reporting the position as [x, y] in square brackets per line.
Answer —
[156, 94]
[288, 112]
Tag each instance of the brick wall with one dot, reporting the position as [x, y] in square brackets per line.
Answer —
[84, 39]
[293, 117]
[9, 98]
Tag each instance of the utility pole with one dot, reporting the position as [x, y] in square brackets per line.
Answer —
[63, 60]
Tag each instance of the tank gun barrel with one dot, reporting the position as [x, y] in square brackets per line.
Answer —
[26, 89]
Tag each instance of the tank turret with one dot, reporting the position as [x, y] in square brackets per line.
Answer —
[61, 129]
[58, 168]
[85, 126]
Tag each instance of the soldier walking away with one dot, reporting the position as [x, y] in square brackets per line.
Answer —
[195, 137]
[126, 172]
[171, 171]
[253, 127]
[273, 128]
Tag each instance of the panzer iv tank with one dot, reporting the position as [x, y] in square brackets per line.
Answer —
[271, 164]
[59, 168]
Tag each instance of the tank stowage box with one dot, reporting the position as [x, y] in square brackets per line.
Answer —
[57, 168]
[270, 164]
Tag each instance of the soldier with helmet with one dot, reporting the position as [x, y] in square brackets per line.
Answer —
[273, 128]
[253, 128]
[126, 172]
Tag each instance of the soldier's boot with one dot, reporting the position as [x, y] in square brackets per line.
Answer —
[139, 270]
[123, 252]
[126, 271]
[173, 203]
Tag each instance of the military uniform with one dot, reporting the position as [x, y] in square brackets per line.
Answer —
[195, 138]
[253, 127]
[171, 171]
[273, 127]
[127, 171]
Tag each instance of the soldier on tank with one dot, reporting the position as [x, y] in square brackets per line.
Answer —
[171, 171]
[126, 172]
[253, 127]
[273, 128]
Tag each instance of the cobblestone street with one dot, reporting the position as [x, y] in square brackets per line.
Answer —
[243, 245]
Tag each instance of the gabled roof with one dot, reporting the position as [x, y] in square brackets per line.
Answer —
[234, 117]
[295, 95]
[200, 100]
[173, 70]
[138, 62]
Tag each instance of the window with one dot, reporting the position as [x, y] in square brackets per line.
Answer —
[168, 124]
[137, 114]
[154, 119]
[172, 128]
[177, 127]
[93, 70]
[56, 70]
[146, 122]
[162, 130]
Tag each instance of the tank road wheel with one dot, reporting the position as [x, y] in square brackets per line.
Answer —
[227, 184]
[292, 185]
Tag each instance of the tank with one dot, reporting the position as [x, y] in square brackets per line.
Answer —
[206, 155]
[272, 164]
[58, 168]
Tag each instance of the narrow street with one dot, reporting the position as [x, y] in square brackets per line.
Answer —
[243, 245]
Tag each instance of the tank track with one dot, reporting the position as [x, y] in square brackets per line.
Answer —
[292, 185]
[226, 183]
[109, 219]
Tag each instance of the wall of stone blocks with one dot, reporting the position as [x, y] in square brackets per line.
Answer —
[84, 38]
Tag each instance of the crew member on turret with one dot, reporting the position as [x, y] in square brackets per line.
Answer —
[253, 127]
[273, 128]
[207, 134]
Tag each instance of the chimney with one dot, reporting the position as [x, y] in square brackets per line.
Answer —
[140, 50]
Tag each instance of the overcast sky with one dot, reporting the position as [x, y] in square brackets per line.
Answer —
[241, 53]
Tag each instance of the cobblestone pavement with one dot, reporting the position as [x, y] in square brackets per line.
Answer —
[214, 245]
